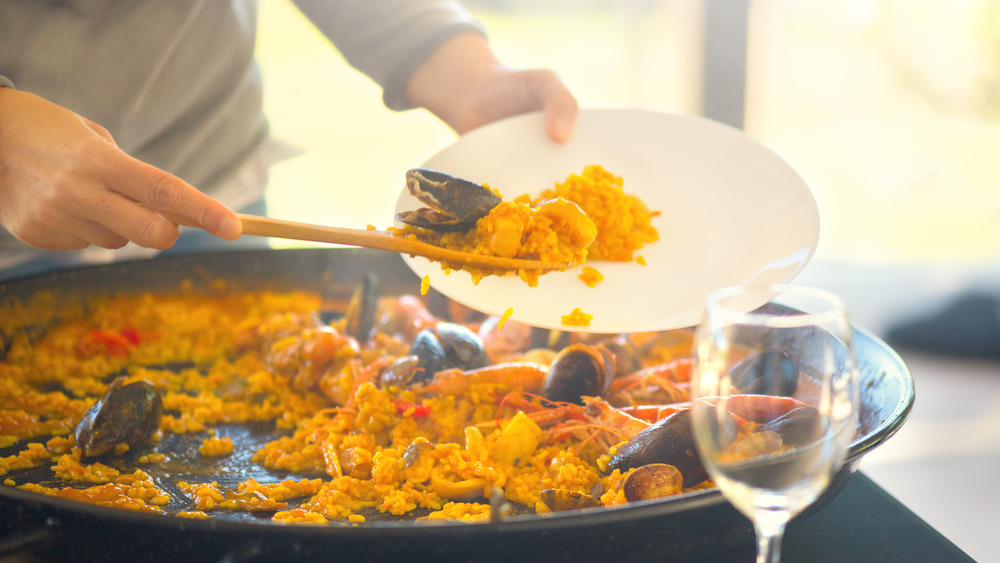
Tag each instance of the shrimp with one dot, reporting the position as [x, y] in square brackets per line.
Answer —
[596, 422]
[516, 376]
[661, 384]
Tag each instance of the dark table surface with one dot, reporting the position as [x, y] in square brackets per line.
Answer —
[863, 523]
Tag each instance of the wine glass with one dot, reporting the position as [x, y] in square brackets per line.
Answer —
[775, 399]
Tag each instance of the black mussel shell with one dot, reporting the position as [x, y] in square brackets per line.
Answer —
[430, 355]
[447, 346]
[463, 348]
[430, 219]
[798, 427]
[127, 414]
[453, 196]
[360, 315]
[579, 370]
[670, 441]
[770, 372]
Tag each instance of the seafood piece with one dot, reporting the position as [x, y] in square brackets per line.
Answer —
[562, 499]
[652, 481]
[761, 408]
[127, 414]
[770, 371]
[669, 441]
[360, 315]
[405, 316]
[577, 371]
[797, 427]
[447, 346]
[402, 373]
[520, 376]
[628, 358]
[660, 384]
[596, 423]
[568, 220]
[588, 370]
[454, 204]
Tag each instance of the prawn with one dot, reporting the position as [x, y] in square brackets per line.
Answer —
[518, 376]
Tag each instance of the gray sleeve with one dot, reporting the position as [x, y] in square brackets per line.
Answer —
[389, 39]
[5, 82]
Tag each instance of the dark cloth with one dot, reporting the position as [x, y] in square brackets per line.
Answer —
[969, 326]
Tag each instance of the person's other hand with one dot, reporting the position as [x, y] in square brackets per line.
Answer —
[464, 85]
[65, 184]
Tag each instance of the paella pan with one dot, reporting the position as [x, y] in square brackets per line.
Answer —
[700, 519]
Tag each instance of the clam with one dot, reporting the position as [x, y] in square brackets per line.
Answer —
[652, 481]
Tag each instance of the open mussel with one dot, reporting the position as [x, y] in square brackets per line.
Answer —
[446, 346]
[128, 414]
[454, 204]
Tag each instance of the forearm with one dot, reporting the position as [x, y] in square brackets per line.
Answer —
[389, 39]
[448, 76]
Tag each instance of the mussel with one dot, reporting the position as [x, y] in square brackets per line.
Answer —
[447, 346]
[587, 370]
[454, 204]
[360, 315]
[402, 373]
[579, 370]
[127, 414]
[669, 441]
[770, 372]
[798, 427]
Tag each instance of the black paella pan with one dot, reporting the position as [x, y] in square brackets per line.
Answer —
[692, 526]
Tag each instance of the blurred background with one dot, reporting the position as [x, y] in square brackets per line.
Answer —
[889, 109]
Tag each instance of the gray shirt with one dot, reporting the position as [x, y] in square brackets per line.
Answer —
[174, 81]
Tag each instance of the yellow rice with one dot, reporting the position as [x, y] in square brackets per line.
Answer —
[623, 220]
[354, 441]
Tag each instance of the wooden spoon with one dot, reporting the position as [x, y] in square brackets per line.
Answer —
[381, 240]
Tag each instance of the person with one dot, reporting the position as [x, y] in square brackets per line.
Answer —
[117, 114]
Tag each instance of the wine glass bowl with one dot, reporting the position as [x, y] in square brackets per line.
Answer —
[775, 399]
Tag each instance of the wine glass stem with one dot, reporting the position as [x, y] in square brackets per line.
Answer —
[769, 544]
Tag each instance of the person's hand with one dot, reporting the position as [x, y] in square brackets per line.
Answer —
[464, 85]
[65, 184]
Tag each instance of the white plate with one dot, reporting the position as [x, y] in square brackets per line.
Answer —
[731, 211]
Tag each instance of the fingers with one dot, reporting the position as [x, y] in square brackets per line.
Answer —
[65, 184]
[559, 105]
[560, 108]
[121, 217]
[163, 193]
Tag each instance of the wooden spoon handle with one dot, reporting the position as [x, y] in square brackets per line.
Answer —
[380, 240]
